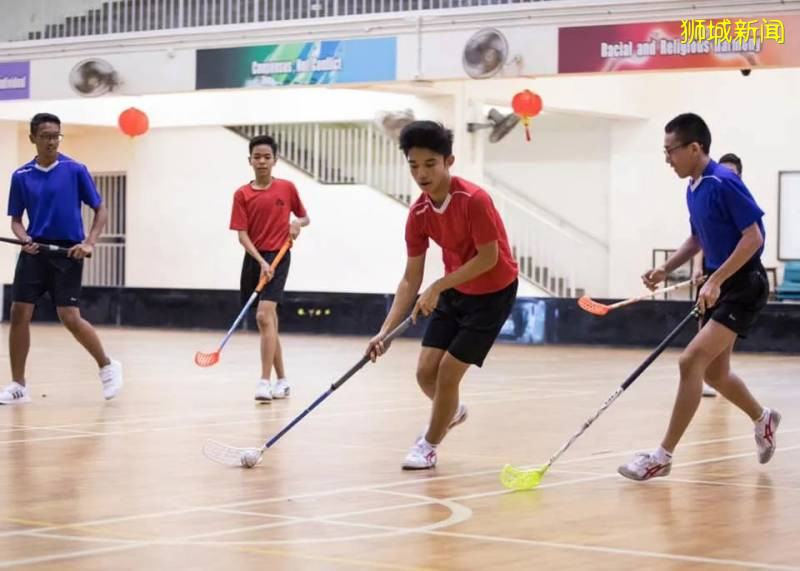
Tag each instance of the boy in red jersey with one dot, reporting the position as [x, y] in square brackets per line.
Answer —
[474, 298]
[260, 214]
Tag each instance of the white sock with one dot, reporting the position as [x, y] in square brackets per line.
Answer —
[662, 456]
[428, 444]
[763, 418]
[264, 381]
[281, 380]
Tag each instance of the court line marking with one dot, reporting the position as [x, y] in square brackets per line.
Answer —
[363, 487]
[363, 411]
[132, 419]
[458, 514]
[426, 530]
[422, 529]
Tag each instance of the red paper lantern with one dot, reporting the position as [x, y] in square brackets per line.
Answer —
[133, 122]
[526, 104]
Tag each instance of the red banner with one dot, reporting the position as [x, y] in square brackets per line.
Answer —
[685, 44]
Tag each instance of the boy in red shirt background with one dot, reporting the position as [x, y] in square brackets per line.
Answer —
[261, 212]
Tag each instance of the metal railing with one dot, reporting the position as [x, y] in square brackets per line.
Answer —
[125, 16]
[341, 153]
[106, 267]
[546, 240]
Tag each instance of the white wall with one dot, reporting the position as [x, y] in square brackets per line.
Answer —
[225, 107]
[757, 117]
[564, 169]
[611, 151]
[180, 187]
[9, 161]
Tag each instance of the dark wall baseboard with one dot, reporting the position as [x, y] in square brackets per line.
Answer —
[533, 321]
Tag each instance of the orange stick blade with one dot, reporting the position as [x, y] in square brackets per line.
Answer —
[595, 308]
[206, 359]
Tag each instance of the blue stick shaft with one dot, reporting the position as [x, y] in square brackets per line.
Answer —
[238, 319]
[298, 418]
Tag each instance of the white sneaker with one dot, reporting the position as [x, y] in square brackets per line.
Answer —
[281, 389]
[765, 435]
[422, 456]
[263, 391]
[645, 466]
[709, 391]
[111, 377]
[14, 393]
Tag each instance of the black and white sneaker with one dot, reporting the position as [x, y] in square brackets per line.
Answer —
[14, 393]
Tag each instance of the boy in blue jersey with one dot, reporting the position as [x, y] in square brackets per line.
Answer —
[50, 189]
[726, 223]
[734, 163]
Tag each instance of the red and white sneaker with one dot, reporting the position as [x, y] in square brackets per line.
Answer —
[645, 466]
[765, 434]
[422, 456]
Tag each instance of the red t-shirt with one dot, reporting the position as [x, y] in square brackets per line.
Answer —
[466, 220]
[264, 213]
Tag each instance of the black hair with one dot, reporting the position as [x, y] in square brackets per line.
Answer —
[40, 118]
[690, 128]
[734, 160]
[427, 135]
[264, 140]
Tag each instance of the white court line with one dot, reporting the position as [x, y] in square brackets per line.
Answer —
[458, 514]
[615, 475]
[421, 530]
[130, 419]
[379, 486]
[275, 420]
[727, 484]
[550, 393]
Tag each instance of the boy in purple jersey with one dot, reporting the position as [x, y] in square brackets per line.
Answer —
[50, 189]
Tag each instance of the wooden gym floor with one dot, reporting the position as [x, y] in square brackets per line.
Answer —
[93, 485]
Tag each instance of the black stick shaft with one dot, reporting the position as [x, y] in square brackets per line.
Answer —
[660, 349]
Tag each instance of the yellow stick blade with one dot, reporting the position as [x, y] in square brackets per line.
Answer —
[516, 479]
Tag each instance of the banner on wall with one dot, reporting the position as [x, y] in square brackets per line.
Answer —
[317, 62]
[683, 44]
[15, 80]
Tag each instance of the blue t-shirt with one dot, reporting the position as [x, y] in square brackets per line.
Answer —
[720, 208]
[52, 197]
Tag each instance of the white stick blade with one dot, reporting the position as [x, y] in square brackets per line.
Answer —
[223, 454]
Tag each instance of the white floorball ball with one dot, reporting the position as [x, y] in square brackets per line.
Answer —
[250, 458]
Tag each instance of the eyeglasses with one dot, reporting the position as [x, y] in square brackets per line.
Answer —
[51, 137]
[668, 150]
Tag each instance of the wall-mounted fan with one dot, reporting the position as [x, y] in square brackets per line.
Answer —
[485, 53]
[93, 77]
[392, 122]
[499, 124]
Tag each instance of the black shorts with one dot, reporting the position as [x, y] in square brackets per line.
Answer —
[48, 272]
[741, 299]
[251, 272]
[466, 326]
